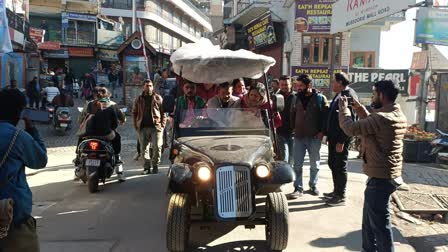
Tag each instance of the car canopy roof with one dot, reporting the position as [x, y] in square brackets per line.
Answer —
[203, 62]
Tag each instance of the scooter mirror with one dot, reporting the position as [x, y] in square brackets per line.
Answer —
[80, 109]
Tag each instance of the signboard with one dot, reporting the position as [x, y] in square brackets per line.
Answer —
[109, 39]
[261, 32]
[59, 54]
[321, 75]
[49, 45]
[80, 52]
[37, 35]
[79, 16]
[349, 14]
[419, 60]
[313, 15]
[362, 79]
[5, 39]
[432, 26]
[107, 55]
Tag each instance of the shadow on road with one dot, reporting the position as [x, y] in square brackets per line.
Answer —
[351, 241]
[428, 243]
[254, 245]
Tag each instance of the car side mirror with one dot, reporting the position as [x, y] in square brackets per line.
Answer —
[168, 104]
[279, 102]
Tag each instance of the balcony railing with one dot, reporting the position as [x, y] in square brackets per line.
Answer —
[244, 4]
[197, 10]
[123, 4]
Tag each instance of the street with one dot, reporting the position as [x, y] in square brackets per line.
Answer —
[130, 216]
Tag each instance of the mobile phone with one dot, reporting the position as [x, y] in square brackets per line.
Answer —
[35, 115]
[350, 101]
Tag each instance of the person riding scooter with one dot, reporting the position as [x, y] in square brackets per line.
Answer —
[104, 119]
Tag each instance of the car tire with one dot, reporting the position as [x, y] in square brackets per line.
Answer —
[92, 183]
[277, 224]
[178, 222]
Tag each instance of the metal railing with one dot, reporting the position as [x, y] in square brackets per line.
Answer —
[123, 4]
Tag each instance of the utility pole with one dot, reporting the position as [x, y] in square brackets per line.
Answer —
[134, 14]
[425, 74]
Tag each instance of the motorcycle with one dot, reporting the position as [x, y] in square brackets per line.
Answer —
[440, 148]
[62, 120]
[96, 161]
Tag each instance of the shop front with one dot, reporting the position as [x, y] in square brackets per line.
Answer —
[81, 60]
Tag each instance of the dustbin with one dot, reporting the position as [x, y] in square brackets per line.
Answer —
[417, 151]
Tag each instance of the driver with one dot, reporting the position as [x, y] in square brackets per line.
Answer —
[190, 105]
[224, 98]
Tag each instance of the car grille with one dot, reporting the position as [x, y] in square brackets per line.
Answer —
[233, 189]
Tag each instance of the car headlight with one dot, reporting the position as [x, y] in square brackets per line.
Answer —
[262, 171]
[204, 173]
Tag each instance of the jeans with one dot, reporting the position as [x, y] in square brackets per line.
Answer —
[301, 145]
[376, 228]
[145, 135]
[338, 166]
[286, 144]
[113, 86]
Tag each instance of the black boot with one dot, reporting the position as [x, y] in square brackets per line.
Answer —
[155, 170]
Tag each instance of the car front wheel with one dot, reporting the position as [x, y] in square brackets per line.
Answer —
[178, 222]
[277, 227]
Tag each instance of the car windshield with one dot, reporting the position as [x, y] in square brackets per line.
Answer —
[223, 118]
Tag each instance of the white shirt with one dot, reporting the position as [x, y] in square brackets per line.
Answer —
[51, 92]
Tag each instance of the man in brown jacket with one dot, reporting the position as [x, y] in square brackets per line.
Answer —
[149, 122]
[381, 132]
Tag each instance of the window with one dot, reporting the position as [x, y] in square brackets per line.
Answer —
[152, 34]
[80, 33]
[185, 25]
[362, 59]
[176, 20]
[317, 49]
[167, 14]
[166, 43]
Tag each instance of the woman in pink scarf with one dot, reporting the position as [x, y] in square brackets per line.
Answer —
[257, 99]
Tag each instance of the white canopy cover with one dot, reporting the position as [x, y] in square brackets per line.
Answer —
[203, 62]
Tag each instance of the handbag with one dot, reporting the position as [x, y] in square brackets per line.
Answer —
[83, 125]
[6, 205]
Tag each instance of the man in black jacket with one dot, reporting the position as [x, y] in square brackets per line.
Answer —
[338, 141]
[286, 140]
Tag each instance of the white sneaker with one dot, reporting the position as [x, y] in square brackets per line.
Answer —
[136, 156]
[121, 177]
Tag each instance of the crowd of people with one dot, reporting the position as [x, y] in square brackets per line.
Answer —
[307, 119]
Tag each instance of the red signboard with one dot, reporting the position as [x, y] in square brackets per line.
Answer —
[36, 35]
[80, 52]
[49, 45]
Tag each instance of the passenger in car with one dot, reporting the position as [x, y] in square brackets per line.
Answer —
[257, 100]
[190, 105]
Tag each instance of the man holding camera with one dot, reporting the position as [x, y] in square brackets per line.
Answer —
[338, 141]
[381, 132]
[18, 148]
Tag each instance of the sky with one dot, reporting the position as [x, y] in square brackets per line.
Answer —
[397, 44]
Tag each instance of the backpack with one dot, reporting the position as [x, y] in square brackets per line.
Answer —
[6, 203]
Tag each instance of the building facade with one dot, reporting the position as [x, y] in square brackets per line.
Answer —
[83, 35]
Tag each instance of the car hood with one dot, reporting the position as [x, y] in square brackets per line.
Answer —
[245, 150]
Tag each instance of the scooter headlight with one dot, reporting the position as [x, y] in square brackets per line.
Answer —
[204, 173]
[262, 171]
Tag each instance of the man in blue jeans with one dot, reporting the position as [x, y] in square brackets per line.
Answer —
[308, 121]
[284, 132]
[382, 132]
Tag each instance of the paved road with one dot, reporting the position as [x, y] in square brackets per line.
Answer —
[131, 216]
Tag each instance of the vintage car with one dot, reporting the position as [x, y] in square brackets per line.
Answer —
[224, 159]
